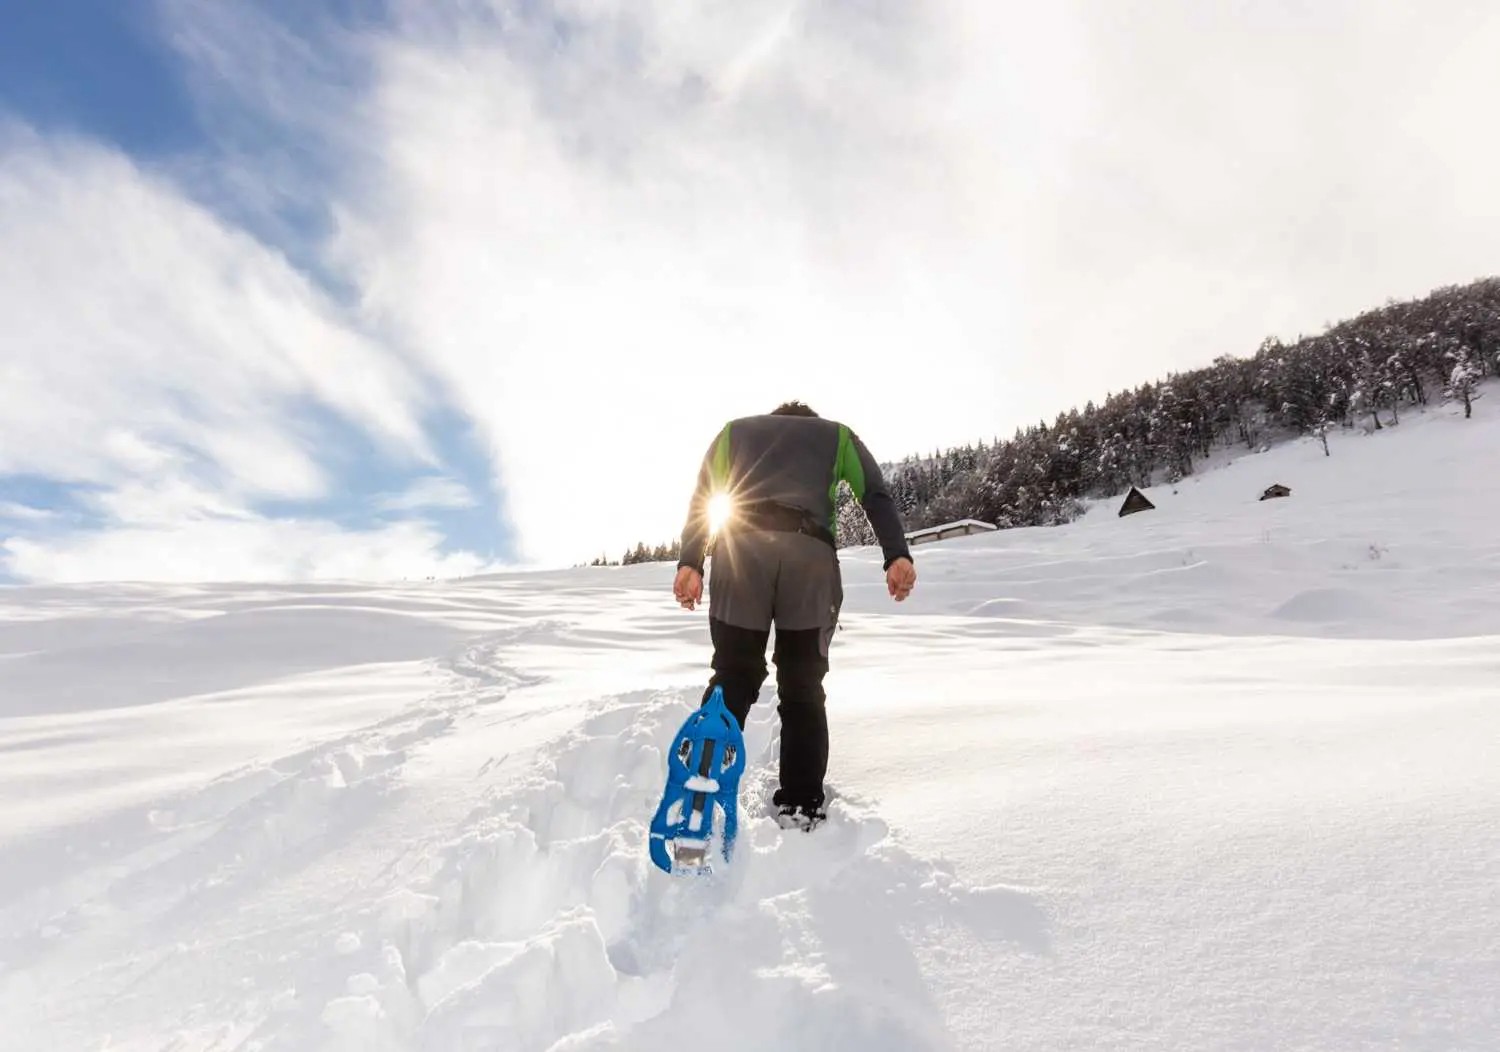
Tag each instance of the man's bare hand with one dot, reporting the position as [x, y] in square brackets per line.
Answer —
[687, 589]
[900, 579]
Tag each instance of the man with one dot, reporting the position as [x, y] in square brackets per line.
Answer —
[772, 481]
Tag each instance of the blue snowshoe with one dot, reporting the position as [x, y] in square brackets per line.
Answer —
[699, 808]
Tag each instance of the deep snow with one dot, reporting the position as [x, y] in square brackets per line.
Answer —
[1222, 775]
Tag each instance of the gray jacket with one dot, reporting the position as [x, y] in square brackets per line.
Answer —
[794, 461]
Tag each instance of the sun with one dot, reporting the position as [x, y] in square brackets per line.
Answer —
[720, 507]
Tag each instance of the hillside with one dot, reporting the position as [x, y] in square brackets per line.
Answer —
[1221, 775]
[1360, 374]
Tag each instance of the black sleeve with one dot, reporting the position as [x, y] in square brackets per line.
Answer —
[880, 508]
[695, 530]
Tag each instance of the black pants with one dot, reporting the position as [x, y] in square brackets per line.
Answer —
[801, 663]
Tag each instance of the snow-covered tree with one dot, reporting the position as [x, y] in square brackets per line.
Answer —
[1463, 380]
[852, 525]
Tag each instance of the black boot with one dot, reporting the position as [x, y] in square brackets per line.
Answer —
[793, 816]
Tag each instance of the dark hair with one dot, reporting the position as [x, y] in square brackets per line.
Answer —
[792, 409]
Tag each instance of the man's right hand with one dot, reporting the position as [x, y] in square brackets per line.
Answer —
[687, 589]
[900, 579]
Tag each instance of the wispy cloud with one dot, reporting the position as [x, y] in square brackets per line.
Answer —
[143, 334]
[252, 549]
[164, 362]
[429, 492]
[25, 512]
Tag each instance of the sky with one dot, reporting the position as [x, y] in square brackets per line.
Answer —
[394, 289]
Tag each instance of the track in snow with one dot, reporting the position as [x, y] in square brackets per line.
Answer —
[545, 923]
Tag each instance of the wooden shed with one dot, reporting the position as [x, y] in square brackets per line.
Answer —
[1135, 501]
[961, 528]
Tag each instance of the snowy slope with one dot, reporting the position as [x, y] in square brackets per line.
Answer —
[1223, 775]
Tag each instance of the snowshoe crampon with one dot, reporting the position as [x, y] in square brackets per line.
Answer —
[698, 817]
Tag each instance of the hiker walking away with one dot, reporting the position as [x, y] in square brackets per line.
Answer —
[766, 495]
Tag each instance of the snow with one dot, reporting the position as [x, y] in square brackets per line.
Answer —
[1221, 775]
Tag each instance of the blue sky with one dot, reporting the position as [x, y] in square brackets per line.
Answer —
[99, 68]
[383, 290]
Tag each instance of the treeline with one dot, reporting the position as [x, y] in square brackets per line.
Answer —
[1359, 373]
[642, 554]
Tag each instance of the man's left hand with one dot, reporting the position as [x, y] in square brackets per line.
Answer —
[900, 579]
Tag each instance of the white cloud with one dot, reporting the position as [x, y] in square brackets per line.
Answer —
[429, 492]
[609, 227]
[251, 549]
[25, 512]
[174, 365]
[685, 214]
[162, 501]
[1260, 169]
[143, 336]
